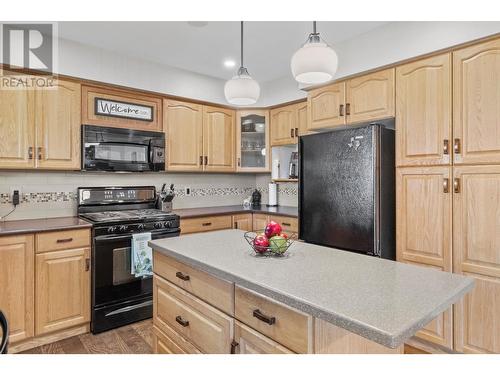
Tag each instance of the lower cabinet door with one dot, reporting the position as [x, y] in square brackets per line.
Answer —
[169, 342]
[205, 327]
[249, 341]
[243, 222]
[259, 222]
[62, 289]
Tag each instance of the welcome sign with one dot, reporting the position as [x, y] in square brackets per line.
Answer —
[114, 108]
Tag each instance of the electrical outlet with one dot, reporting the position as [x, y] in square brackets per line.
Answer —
[187, 191]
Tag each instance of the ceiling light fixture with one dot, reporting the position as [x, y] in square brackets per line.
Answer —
[229, 63]
[315, 62]
[242, 89]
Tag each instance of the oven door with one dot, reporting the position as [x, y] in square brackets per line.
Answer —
[112, 281]
[122, 150]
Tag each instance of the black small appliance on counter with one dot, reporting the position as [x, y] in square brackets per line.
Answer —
[256, 198]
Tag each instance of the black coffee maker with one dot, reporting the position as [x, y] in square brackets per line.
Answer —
[256, 197]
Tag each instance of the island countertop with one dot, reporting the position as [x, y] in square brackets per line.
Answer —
[381, 300]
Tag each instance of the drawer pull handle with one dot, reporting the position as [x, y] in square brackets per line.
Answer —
[234, 345]
[181, 276]
[206, 224]
[286, 224]
[87, 264]
[266, 319]
[181, 321]
[63, 240]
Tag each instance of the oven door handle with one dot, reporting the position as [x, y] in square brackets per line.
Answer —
[113, 237]
[129, 308]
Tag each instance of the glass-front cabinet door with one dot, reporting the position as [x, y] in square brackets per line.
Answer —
[252, 141]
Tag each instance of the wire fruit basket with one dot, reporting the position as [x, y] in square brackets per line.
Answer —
[278, 245]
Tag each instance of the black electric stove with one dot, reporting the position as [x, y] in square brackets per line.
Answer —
[118, 297]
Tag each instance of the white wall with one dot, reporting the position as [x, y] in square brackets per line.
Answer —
[384, 45]
[78, 60]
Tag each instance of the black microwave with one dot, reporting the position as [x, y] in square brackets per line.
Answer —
[122, 150]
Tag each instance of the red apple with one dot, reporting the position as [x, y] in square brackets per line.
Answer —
[260, 243]
[272, 229]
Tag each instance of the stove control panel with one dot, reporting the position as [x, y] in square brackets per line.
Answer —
[151, 226]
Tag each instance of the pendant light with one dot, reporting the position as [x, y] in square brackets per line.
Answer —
[315, 62]
[242, 89]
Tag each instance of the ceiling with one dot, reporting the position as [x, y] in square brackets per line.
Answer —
[202, 47]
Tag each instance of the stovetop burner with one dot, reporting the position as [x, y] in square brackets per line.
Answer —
[125, 215]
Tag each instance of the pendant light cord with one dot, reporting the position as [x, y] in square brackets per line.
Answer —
[241, 50]
[314, 28]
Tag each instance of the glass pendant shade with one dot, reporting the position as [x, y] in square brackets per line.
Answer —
[242, 89]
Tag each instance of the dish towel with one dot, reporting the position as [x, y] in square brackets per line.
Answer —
[142, 255]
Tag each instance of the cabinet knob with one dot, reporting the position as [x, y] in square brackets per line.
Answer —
[446, 185]
[456, 145]
[446, 147]
[456, 185]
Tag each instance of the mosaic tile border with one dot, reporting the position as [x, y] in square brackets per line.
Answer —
[65, 196]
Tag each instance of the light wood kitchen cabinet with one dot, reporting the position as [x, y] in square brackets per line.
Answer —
[284, 127]
[41, 128]
[476, 219]
[90, 116]
[326, 107]
[204, 326]
[57, 122]
[62, 289]
[424, 112]
[252, 141]
[370, 97]
[243, 222]
[206, 224]
[17, 128]
[476, 104]
[302, 113]
[289, 225]
[249, 341]
[17, 285]
[183, 126]
[171, 343]
[424, 231]
[259, 222]
[218, 139]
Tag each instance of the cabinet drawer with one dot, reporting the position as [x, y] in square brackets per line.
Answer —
[289, 327]
[252, 342]
[60, 240]
[289, 224]
[205, 224]
[207, 328]
[211, 289]
[170, 342]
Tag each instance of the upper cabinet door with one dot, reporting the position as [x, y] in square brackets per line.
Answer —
[183, 125]
[476, 253]
[423, 115]
[326, 107]
[283, 124]
[17, 129]
[218, 139]
[370, 97]
[58, 120]
[252, 141]
[302, 118]
[113, 97]
[476, 103]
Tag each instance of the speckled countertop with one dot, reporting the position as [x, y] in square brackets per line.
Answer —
[384, 301]
[186, 213]
[41, 225]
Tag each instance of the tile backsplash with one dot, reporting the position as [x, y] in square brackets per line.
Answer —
[53, 194]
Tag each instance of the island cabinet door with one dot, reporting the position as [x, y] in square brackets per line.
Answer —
[476, 104]
[370, 97]
[17, 128]
[326, 106]
[424, 231]
[17, 285]
[62, 289]
[249, 341]
[183, 126]
[58, 120]
[423, 115]
[476, 253]
[219, 139]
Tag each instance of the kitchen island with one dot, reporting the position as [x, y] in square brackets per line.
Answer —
[212, 294]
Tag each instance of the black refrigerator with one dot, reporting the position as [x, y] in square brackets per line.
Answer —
[347, 189]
